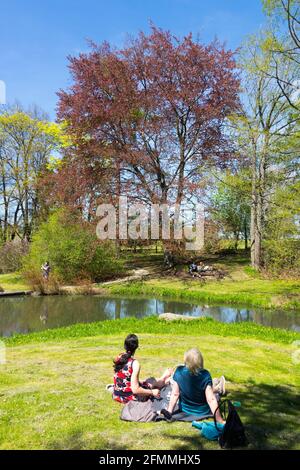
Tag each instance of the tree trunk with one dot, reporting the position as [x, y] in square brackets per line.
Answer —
[255, 233]
[5, 203]
[237, 237]
[246, 235]
[256, 260]
[27, 227]
[118, 194]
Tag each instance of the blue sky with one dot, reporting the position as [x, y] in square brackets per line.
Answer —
[37, 36]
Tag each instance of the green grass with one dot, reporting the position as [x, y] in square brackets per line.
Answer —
[52, 386]
[13, 282]
[153, 325]
[265, 293]
[242, 285]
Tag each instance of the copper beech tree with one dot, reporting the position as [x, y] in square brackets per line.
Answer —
[150, 115]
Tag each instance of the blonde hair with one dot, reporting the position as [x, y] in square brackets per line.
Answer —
[193, 360]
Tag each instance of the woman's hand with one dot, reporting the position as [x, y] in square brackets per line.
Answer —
[156, 392]
[168, 372]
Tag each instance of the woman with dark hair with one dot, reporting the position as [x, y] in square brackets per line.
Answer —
[126, 378]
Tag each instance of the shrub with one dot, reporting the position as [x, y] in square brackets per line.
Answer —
[252, 272]
[72, 249]
[282, 256]
[39, 284]
[227, 245]
[282, 246]
[11, 255]
[1, 289]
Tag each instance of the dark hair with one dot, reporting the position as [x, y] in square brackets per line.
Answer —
[131, 343]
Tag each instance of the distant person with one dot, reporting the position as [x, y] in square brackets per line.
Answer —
[46, 270]
[127, 385]
[192, 385]
[169, 260]
[193, 268]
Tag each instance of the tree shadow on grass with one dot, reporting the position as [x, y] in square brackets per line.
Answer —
[77, 441]
[71, 441]
[186, 441]
[271, 416]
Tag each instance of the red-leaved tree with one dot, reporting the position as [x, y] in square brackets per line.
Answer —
[152, 114]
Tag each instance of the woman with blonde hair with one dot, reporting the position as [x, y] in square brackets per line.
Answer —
[193, 387]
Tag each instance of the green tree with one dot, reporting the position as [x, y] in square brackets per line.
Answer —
[231, 206]
[262, 131]
[283, 43]
[72, 249]
[27, 142]
[282, 244]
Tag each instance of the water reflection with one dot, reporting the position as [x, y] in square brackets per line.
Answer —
[28, 314]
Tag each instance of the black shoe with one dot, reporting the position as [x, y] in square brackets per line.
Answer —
[165, 415]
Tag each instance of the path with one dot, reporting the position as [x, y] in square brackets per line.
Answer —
[138, 275]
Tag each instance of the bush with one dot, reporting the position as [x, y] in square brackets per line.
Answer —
[282, 246]
[282, 256]
[227, 245]
[73, 251]
[40, 285]
[11, 255]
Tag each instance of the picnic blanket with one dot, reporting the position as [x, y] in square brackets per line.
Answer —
[148, 410]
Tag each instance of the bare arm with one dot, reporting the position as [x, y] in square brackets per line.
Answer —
[213, 404]
[135, 385]
[174, 397]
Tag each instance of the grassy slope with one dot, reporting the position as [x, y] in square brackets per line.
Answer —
[52, 386]
[250, 292]
[241, 286]
[157, 327]
[13, 282]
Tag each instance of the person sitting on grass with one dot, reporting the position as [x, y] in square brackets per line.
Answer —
[127, 385]
[193, 268]
[192, 385]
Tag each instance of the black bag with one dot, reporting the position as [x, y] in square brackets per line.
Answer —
[233, 434]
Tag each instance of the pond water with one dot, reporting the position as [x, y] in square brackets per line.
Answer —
[28, 314]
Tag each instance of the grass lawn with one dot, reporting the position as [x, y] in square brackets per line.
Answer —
[241, 286]
[265, 293]
[52, 386]
[13, 282]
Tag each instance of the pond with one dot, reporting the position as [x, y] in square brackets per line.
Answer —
[28, 314]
